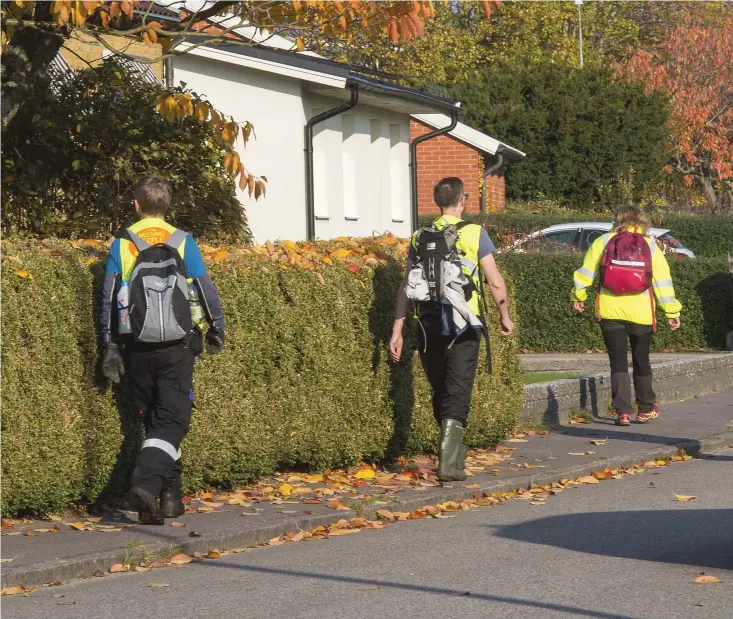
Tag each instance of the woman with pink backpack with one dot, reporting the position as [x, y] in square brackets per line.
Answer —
[633, 270]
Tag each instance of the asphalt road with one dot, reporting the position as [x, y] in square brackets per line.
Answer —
[621, 549]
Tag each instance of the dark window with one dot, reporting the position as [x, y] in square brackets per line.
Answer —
[588, 236]
[561, 241]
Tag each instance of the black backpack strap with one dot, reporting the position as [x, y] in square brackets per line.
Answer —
[462, 224]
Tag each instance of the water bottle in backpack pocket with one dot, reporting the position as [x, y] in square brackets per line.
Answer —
[626, 264]
[123, 309]
[159, 297]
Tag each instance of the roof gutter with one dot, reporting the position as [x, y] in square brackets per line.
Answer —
[413, 161]
[488, 172]
[310, 222]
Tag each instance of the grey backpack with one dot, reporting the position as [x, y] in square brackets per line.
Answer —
[159, 303]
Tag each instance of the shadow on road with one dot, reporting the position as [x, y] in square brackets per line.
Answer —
[372, 582]
[697, 537]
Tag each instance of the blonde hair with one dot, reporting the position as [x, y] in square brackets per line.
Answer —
[630, 216]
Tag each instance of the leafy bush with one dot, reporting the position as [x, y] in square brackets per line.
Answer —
[548, 322]
[591, 140]
[303, 380]
[705, 235]
[73, 155]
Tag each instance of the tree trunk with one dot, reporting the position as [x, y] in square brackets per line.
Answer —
[24, 61]
[708, 191]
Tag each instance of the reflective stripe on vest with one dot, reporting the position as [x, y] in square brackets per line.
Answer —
[467, 245]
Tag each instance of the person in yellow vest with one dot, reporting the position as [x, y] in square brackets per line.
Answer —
[449, 355]
[154, 282]
[631, 316]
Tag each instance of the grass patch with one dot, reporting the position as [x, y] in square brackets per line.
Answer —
[541, 377]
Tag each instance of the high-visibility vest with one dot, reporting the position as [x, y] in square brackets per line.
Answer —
[637, 308]
[153, 231]
[467, 245]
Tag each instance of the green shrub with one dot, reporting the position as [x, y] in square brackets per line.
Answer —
[705, 235]
[548, 322]
[303, 380]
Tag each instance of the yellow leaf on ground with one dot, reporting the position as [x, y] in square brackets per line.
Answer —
[79, 526]
[704, 579]
[342, 532]
[517, 440]
[24, 274]
[118, 567]
[341, 253]
[314, 479]
[588, 479]
[213, 554]
[684, 498]
[285, 490]
[178, 525]
[11, 590]
[181, 559]
[365, 474]
[159, 584]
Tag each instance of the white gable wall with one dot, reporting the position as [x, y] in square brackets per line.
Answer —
[361, 157]
[274, 105]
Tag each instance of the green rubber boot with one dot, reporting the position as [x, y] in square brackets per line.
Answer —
[452, 454]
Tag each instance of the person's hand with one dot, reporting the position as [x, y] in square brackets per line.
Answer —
[395, 346]
[579, 306]
[214, 341]
[113, 366]
[674, 323]
[507, 325]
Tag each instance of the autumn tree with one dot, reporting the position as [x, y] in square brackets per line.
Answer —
[695, 67]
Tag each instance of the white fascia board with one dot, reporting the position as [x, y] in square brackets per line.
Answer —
[468, 135]
[264, 65]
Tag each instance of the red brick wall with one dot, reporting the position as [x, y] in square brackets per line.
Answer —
[445, 156]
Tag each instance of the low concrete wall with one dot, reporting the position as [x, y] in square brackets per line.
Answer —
[551, 403]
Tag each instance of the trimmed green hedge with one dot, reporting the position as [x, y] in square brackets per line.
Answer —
[705, 235]
[303, 380]
[548, 322]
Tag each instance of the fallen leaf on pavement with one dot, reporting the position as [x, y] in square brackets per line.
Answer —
[517, 440]
[181, 559]
[213, 554]
[194, 534]
[385, 514]
[142, 568]
[178, 524]
[704, 579]
[588, 479]
[118, 567]
[598, 441]
[7, 560]
[342, 532]
[684, 498]
[581, 453]
[212, 504]
[11, 590]
[336, 504]
[365, 474]
[159, 584]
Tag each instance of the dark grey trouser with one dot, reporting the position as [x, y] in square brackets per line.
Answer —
[615, 333]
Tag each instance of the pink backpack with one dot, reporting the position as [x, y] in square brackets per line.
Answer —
[626, 264]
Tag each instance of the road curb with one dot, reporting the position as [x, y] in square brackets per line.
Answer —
[85, 566]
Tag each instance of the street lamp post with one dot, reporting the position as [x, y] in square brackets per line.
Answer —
[580, 30]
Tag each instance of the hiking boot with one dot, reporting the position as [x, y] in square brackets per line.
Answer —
[146, 505]
[452, 454]
[623, 419]
[171, 503]
[648, 416]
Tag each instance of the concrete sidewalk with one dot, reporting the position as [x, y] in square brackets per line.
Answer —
[698, 425]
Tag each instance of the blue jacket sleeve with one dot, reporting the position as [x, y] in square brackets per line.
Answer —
[112, 277]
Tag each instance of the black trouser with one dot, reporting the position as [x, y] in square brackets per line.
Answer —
[161, 382]
[450, 371]
[640, 337]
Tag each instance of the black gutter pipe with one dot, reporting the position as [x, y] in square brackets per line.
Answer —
[488, 172]
[310, 210]
[413, 162]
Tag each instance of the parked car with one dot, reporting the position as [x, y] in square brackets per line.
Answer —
[578, 237]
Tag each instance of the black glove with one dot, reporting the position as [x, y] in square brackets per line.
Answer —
[113, 367]
[214, 341]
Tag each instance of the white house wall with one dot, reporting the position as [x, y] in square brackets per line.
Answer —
[361, 158]
[274, 105]
[361, 173]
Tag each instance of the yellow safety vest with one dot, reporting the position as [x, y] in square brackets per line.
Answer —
[467, 245]
[637, 308]
[153, 231]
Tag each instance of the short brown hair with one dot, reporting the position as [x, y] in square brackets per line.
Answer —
[153, 194]
[630, 216]
[448, 191]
